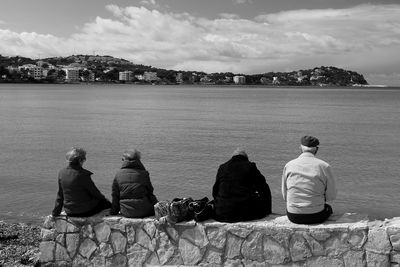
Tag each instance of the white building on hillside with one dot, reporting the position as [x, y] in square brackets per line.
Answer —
[150, 76]
[126, 75]
[72, 75]
[239, 79]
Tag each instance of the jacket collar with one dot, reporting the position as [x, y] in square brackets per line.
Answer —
[307, 154]
[75, 166]
[134, 164]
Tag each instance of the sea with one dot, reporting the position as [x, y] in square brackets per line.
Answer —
[185, 132]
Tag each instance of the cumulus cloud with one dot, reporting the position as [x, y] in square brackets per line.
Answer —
[359, 38]
[150, 3]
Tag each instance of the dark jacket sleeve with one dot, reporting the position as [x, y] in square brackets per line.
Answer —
[262, 188]
[91, 187]
[152, 197]
[115, 198]
[215, 189]
[59, 200]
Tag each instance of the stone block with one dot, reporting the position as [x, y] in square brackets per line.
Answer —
[324, 262]
[105, 250]
[317, 249]
[60, 238]
[320, 235]
[239, 230]
[80, 261]
[172, 233]
[49, 222]
[99, 261]
[72, 244]
[274, 252]
[117, 260]
[47, 235]
[87, 248]
[378, 241]
[61, 225]
[61, 253]
[130, 234]
[165, 248]
[337, 245]
[143, 239]
[395, 258]
[137, 255]
[87, 231]
[250, 263]
[196, 235]
[47, 251]
[213, 256]
[217, 237]
[118, 242]
[153, 260]
[354, 259]
[102, 231]
[298, 247]
[191, 255]
[394, 236]
[377, 260]
[233, 246]
[357, 239]
[252, 247]
[150, 229]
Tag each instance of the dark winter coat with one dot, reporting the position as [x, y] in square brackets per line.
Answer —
[132, 191]
[76, 191]
[240, 191]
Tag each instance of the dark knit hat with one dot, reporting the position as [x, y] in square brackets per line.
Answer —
[309, 141]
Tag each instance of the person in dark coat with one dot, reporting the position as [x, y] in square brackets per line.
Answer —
[76, 191]
[240, 191]
[132, 191]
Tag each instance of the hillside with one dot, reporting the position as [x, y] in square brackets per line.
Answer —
[107, 68]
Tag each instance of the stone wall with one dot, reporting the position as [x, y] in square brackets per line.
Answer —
[348, 240]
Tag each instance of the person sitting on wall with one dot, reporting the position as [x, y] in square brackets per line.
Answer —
[307, 184]
[132, 191]
[76, 191]
[240, 191]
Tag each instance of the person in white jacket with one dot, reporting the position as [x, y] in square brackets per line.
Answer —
[307, 184]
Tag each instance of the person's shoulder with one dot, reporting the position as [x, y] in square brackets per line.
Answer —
[86, 172]
[322, 162]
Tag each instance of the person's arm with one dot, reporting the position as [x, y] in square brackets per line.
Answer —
[331, 192]
[284, 186]
[262, 187]
[59, 200]
[91, 187]
[115, 198]
[216, 184]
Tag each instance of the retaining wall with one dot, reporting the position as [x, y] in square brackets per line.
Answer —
[348, 240]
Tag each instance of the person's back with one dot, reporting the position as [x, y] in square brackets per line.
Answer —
[307, 184]
[76, 191]
[240, 191]
[132, 191]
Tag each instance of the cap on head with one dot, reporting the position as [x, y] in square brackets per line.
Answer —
[75, 155]
[309, 141]
[131, 154]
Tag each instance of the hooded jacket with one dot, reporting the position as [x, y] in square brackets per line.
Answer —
[132, 191]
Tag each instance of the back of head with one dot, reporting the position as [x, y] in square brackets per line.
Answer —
[309, 144]
[239, 151]
[131, 155]
[76, 155]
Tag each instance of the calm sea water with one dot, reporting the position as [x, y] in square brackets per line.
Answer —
[185, 133]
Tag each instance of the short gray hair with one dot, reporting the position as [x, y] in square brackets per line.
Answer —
[239, 151]
[75, 154]
[131, 154]
[308, 149]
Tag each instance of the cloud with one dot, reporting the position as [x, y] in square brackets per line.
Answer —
[150, 3]
[240, 2]
[363, 38]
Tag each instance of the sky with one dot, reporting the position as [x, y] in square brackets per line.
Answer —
[239, 36]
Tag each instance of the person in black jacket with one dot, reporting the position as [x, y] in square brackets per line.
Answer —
[76, 191]
[132, 191]
[240, 191]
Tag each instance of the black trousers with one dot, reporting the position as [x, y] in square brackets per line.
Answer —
[103, 204]
[312, 218]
